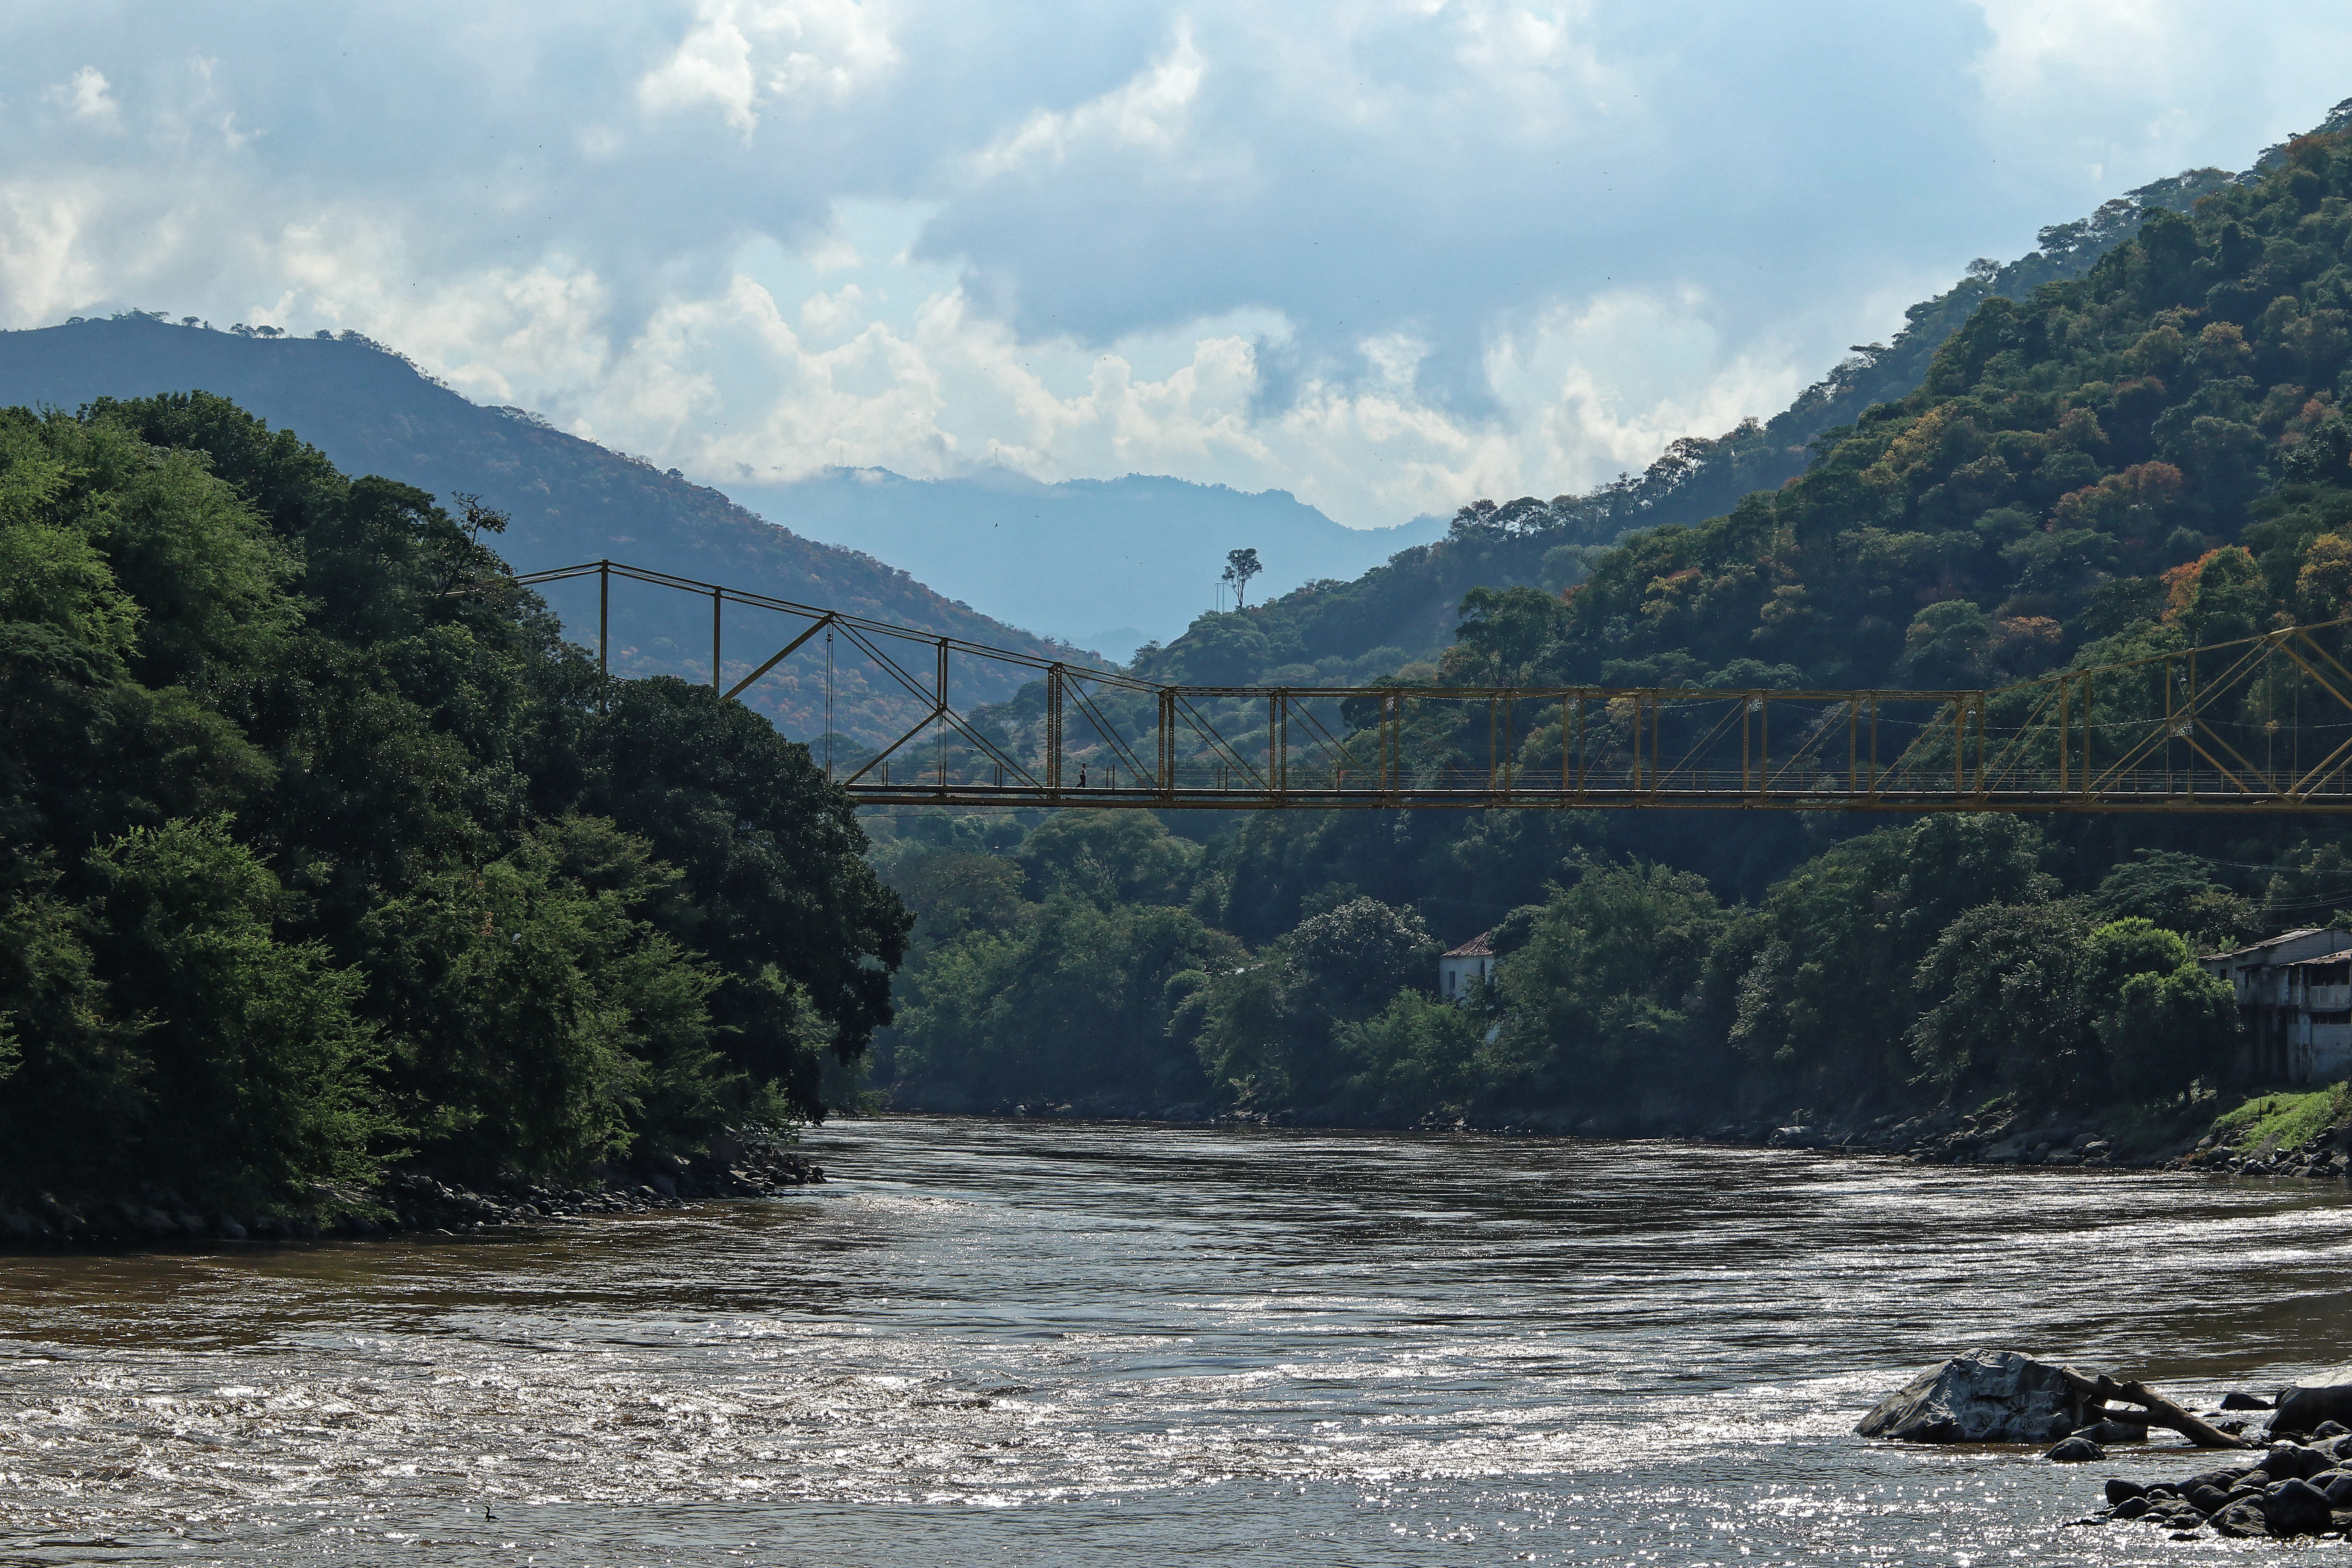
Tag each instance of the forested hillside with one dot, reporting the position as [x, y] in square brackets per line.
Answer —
[2147, 458]
[1404, 610]
[321, 847]
[371, 411]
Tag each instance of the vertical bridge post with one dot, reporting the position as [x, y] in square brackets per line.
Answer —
[1391, 739]
[2086, 734]
[1054, 729]
[1277, 742]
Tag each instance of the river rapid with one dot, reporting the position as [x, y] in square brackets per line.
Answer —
[1056, 1342]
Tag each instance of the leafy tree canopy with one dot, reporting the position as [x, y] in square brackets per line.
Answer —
[319, 845]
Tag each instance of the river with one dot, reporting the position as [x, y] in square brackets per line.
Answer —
[1054, 1342]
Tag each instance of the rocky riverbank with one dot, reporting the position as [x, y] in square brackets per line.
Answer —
[2297, 1136]
[2289, 1476]
[1999, 1136]
[2279, 1135]
[407, 1201]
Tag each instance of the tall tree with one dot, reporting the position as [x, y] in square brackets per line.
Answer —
[1241, 565]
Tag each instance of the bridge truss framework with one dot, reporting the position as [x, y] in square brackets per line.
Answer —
[2263, 725]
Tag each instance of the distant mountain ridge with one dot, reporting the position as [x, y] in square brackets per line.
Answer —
[1082, 558]
[372, 412]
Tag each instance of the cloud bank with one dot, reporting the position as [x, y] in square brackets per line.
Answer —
[1388, 256]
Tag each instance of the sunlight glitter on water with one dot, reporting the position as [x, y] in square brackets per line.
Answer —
[1065, 1343]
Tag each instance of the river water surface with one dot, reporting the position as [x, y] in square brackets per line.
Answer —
[1076, 1344]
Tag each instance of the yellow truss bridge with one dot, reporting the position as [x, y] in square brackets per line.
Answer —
[2260, 724]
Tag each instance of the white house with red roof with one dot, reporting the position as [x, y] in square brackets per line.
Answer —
[1473, 959]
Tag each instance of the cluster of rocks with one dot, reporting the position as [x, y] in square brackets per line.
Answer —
[420, 1203]
[2300, 1484]
[1945, 1136]
[2003, 1136]
[2320, 1160]
[1995, 1135]
[408, 1201]
[2294, 1488]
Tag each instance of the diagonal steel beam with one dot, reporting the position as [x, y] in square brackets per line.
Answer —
[779, 657]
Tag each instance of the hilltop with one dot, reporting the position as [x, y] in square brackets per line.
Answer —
[369, 411]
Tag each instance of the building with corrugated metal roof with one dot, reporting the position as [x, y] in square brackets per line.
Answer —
[2294, 993]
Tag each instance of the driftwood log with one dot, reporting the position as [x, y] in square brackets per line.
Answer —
[2155, 1410]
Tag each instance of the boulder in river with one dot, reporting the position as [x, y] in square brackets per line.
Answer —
[2295, 1507]
[2206, 1498]
[2291, 1461]
[2318, 1399]
[1984, 1396]
[2075, 1451]
[2105, 1432]
[2243, 1518]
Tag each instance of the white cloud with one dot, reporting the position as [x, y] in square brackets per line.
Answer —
[1387, 254]
[1147, 111]
[44, 273]
[86, 95]
[834, 314]
[741, 55]
[2133, 84]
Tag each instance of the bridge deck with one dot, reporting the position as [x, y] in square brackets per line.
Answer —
[1210, 798]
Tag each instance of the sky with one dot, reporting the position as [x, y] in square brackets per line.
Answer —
[1388, 256]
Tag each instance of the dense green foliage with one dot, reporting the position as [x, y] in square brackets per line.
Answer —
[317, 843]
[1052, 977]
[2146, 455]
[1904, 965]
[2064, 454]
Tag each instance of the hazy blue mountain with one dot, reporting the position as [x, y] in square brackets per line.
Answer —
[1100, 562]
[371, 411]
